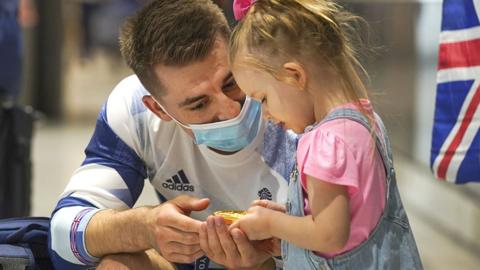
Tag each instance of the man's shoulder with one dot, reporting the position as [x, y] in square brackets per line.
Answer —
[129, 119]
[127, 96]
[276, 134]
[279, 147]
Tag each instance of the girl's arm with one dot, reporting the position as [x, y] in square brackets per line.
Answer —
[328, 227]
[326, 230]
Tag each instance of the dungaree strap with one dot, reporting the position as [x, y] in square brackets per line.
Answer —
[382, 142]
[385, 138]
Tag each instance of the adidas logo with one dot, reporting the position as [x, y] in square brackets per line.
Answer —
[265, 194]
[178, 182]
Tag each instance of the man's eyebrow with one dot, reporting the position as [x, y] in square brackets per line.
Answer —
[191, 100]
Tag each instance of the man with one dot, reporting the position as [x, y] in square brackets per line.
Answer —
[183, 123]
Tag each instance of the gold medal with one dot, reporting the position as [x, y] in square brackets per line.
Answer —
[230, 216]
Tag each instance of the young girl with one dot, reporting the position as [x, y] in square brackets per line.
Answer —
[343, 207]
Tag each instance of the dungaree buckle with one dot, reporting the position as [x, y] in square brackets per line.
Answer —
[294, 174]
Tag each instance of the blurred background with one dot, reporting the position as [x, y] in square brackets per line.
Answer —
[71, 63]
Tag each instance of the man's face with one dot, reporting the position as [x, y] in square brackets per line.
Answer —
[201, 92]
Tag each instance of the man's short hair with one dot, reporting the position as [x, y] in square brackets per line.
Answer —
[171, 33]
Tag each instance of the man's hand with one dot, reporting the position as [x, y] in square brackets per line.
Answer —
[173, 233]
[231, 249]
[271, 246]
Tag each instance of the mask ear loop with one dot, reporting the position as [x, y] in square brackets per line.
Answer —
[173, 118]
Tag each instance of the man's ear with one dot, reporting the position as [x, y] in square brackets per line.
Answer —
[154, 107]
[296, 73]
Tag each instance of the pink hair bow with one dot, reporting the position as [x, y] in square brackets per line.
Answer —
[241, 7]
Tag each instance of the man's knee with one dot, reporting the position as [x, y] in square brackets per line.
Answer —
[267, 265]
[115, 261]
[128, 261]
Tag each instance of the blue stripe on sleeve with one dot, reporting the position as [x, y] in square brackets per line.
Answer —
[107, 149]
[71, 201]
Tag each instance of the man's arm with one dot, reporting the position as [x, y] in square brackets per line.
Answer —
[166, 228]
[111, 178]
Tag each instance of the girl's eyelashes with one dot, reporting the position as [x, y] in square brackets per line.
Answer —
[230, 85]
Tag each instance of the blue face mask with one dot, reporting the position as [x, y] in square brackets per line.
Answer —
[230, 135]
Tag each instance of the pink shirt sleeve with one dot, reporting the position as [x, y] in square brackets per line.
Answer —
[328, 158]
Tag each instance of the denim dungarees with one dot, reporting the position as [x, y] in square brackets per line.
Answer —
[389, 246]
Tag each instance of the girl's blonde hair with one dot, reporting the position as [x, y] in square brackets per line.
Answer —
[276, 31]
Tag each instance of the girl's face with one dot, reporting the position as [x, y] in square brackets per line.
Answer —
[281, 102]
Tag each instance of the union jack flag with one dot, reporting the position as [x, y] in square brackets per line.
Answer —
[455, 154]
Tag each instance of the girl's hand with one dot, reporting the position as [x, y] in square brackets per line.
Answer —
[270, 205]
[255, 224]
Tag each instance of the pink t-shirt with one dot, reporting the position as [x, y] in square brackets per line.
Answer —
[343, 152]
